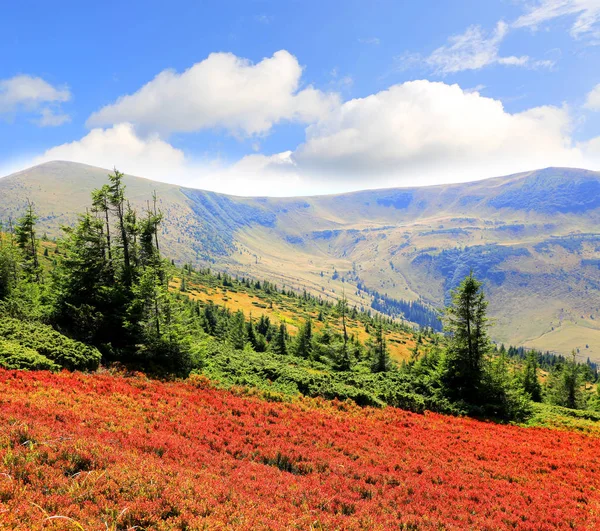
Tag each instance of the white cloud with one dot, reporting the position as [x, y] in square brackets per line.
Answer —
[120, 146]
[586, 13]
[422, 131]
[591, 151]
[32, 95]
[415, 133]
[49, 118]
[223, 91]
[592, 101]
[472, 50]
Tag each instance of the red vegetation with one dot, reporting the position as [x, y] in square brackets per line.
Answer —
[105, 452]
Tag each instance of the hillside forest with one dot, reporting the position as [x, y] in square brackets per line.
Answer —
[103, 295]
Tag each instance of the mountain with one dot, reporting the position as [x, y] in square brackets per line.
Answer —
[533, 237]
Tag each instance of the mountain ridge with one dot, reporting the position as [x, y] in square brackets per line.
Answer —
[532, 237]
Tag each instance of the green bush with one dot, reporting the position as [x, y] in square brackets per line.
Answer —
[16, 356]
[291, 375]
[50, 344]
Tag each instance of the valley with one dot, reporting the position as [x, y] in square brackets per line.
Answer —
[533, 238]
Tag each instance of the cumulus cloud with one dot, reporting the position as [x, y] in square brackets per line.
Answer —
[592, 102]
[120, 146]
[414, 133]
[32, 94]
[223, 92]
[421, 131]
[585, 12]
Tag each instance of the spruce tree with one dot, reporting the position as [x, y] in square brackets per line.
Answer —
[530, 379]
[28, 243]
[564, 385]
[381, 357]
[468, 344]
[303, 341]
[237, 330]
[279, 343]
[8, 265]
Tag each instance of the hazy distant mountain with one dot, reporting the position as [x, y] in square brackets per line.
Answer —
[533, 237]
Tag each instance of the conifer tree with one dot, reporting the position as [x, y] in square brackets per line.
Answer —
[116, 199]
[8, 264]
[564, 385]
[468, 343]
[530, 379]
[381, 358]
[279, 345]
[237, 332]
[27, 243]
[303, 341]
[101, 205]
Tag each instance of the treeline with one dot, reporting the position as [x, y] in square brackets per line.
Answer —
[413, 311]
[104, 295]
[303, 300]
[107, 287]
[568, 383]
[549, 360]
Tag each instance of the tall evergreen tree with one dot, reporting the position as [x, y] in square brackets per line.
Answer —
[237, 330]
[8, 264]
[530, 379]
[279, 342]
[116, 198]
[564, 385]
[28, 243]
[468, 344]
[101, 205]
[303, 341]
[381, 357]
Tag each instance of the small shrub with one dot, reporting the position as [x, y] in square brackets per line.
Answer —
[16, 356]
[50, 344]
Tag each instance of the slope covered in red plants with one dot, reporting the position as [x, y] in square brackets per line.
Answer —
[98, 452]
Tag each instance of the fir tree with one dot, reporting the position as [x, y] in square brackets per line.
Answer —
[303, 341]
[530, 379]
[466, 322]
[381, 358]
[279, 345]
[27, 243]
[237, 332]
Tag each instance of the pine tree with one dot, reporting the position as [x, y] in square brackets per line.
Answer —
[28, 244]
[279, 345]
[88, 302]
[530, 379]
[116, 199]
[468, 344]
[303, 342]
[564, 385]
[237, 332]
[8, 264]
[101, 205]
[381, 357]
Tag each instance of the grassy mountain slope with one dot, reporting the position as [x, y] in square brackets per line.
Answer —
[532, 237]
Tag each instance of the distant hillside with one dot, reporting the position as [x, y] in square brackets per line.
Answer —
[533, 237]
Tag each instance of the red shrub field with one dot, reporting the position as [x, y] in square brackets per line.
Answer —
[104, 452]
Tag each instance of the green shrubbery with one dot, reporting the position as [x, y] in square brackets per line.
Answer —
[293, 375]
[49, 345]
[16, 356]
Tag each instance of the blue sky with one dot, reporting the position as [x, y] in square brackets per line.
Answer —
[291, 97]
